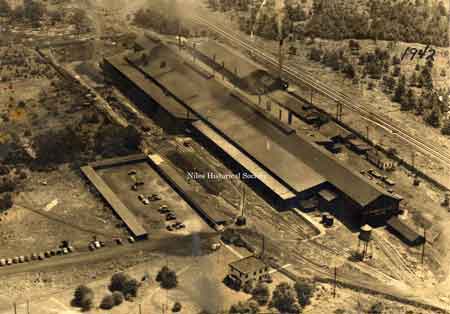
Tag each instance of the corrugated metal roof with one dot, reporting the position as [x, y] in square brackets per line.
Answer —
[269, 181]
[248, 264]
[293, 159]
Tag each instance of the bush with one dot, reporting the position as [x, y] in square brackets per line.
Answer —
[118, 297]
[376, 308]
[167, 278]
[261, 294]
[176, 307]
[304, 291]
[107, 302]
[248, 286]
[283, 299]
[118, 282]
[125, 284]
[83, 297]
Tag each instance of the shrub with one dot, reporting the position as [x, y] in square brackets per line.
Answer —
[81, 294]
[118, 297]
[107, 302]
[248, 286]
[176, 307]
[167, 278]
[304, 291]
[261, 294]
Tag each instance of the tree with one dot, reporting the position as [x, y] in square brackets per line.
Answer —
[434, 117]
[118, 281]
[176, 307]
[248, 286]
[283, 299]
[376, 308]
[131, 288]
[250, 307]
[410, 101]
[315, 54]
[261, 293]
[83, 297]
[396, 71]
[5, 8]
[107, 302]
[125, 284]
[400, 90]
[305, 291]
[118, 297]
[33, 10]
[167, 278]
[5, 202]
[349, 70]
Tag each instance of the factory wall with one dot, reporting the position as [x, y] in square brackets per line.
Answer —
[144, 102]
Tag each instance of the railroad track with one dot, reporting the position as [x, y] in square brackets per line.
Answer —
[301, 76]
[398, 266]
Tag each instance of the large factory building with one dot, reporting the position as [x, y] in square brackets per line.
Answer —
[284, 166]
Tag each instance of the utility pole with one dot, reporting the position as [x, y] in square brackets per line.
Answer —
[15, 307]
[140, 308]
[335, 281]
[28, 306]
[367, 130]
[311, 95]
[424, 243]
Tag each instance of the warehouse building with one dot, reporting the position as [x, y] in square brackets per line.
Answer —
[286, 167]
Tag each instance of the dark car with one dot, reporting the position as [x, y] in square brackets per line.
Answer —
[179, 225]
[171, 216]
[154, 197]
[169, 227]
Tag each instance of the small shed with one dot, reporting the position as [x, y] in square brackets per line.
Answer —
[404, 232]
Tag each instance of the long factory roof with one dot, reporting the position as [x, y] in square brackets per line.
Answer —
[292, 159]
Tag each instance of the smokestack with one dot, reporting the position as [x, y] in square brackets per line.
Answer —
[280, 58]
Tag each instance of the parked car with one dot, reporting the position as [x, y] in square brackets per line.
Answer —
[179, 225]
[154, 197]
[170, 228]
[375, 174]
[389, 182]
[41, 256]
[132, 172]
[91, 246]
[136, 184]
[143, 199]
[15, 260]
[118, 241]
[171, 216]
[9, 261]
[131, 239]
[163, 209]
[21, 259]
[34, 256]
[2, 262]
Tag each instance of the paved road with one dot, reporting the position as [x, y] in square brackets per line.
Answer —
[175, 245]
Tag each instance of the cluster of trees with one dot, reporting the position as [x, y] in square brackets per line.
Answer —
[122, 287]
[422, 21]
[31, 10]
[380, 65]
[285, 298]
[392, 20]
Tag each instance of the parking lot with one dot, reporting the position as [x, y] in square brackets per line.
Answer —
[121, 178]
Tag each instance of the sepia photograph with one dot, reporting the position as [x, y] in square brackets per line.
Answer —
[225, 156]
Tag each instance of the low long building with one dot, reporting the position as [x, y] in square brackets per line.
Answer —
[284, 166]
